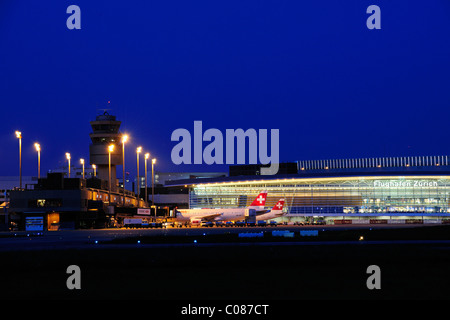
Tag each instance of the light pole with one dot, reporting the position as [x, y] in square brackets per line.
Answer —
[38, 149]
[147, 155]
[19, 136]
[153, 183]
[124, 139]
[94, 167]
[110, 149]
[82, 163]
[138, 151]
[68, 159]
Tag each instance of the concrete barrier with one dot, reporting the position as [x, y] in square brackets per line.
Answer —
[378, 221]
[361, 221]
[342, 221]
[413, 221]
[432, 221]
[396, 221]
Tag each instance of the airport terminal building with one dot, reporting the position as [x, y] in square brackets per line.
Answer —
[375, 190]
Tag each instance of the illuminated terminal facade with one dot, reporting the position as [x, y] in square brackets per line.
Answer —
[376, 189]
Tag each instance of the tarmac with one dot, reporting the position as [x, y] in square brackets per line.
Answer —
[167, 264]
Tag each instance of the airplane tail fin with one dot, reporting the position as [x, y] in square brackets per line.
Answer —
[278, 207]
[260, 201]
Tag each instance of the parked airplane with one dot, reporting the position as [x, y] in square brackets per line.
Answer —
[229, 214]
[276, 212]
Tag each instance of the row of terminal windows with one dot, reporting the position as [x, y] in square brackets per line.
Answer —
[344, 210]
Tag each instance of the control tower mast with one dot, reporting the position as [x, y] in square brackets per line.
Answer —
[106, 132]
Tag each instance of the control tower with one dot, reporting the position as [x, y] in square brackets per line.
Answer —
[105, 131]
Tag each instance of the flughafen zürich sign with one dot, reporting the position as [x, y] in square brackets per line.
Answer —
[404, 183]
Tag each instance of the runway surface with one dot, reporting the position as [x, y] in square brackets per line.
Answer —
[114, 265]
[83, 239]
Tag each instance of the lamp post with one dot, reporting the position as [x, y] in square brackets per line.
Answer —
[94, 167]
[124, 139]
[138, 151]
[110, 149]
[147, 155]
[68, 159]
[153, 183]
[82, 163]
[19, 136]
[38, 149]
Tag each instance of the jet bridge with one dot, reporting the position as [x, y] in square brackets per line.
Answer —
[250, 215]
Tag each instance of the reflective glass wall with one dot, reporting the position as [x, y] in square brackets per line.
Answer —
[360, 195]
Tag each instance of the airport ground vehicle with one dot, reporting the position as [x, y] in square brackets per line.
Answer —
[132, 223]
[140, 223]
[206, 224]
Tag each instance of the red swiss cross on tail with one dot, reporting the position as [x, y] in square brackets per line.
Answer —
[260, 200]
[279, 205]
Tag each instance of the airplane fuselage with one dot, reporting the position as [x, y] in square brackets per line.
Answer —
[233, 214]
[269, 215]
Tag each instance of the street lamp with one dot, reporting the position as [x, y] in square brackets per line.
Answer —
[94, 167]
[38, 149]
[110, 149]
[68, 158]
[82, 163]
[147, 155]
[138, 151]
[19, 136]
[124, 139]
[153, 183]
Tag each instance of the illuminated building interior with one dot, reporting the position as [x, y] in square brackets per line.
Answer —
[331, 196]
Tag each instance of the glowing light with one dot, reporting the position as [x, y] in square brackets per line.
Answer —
[67, 156]
[37, 146]
[111, 148]
[18, 134]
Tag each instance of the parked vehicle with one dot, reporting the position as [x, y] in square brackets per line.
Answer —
[206, 224]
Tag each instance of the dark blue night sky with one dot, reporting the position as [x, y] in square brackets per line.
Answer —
[311, 69]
